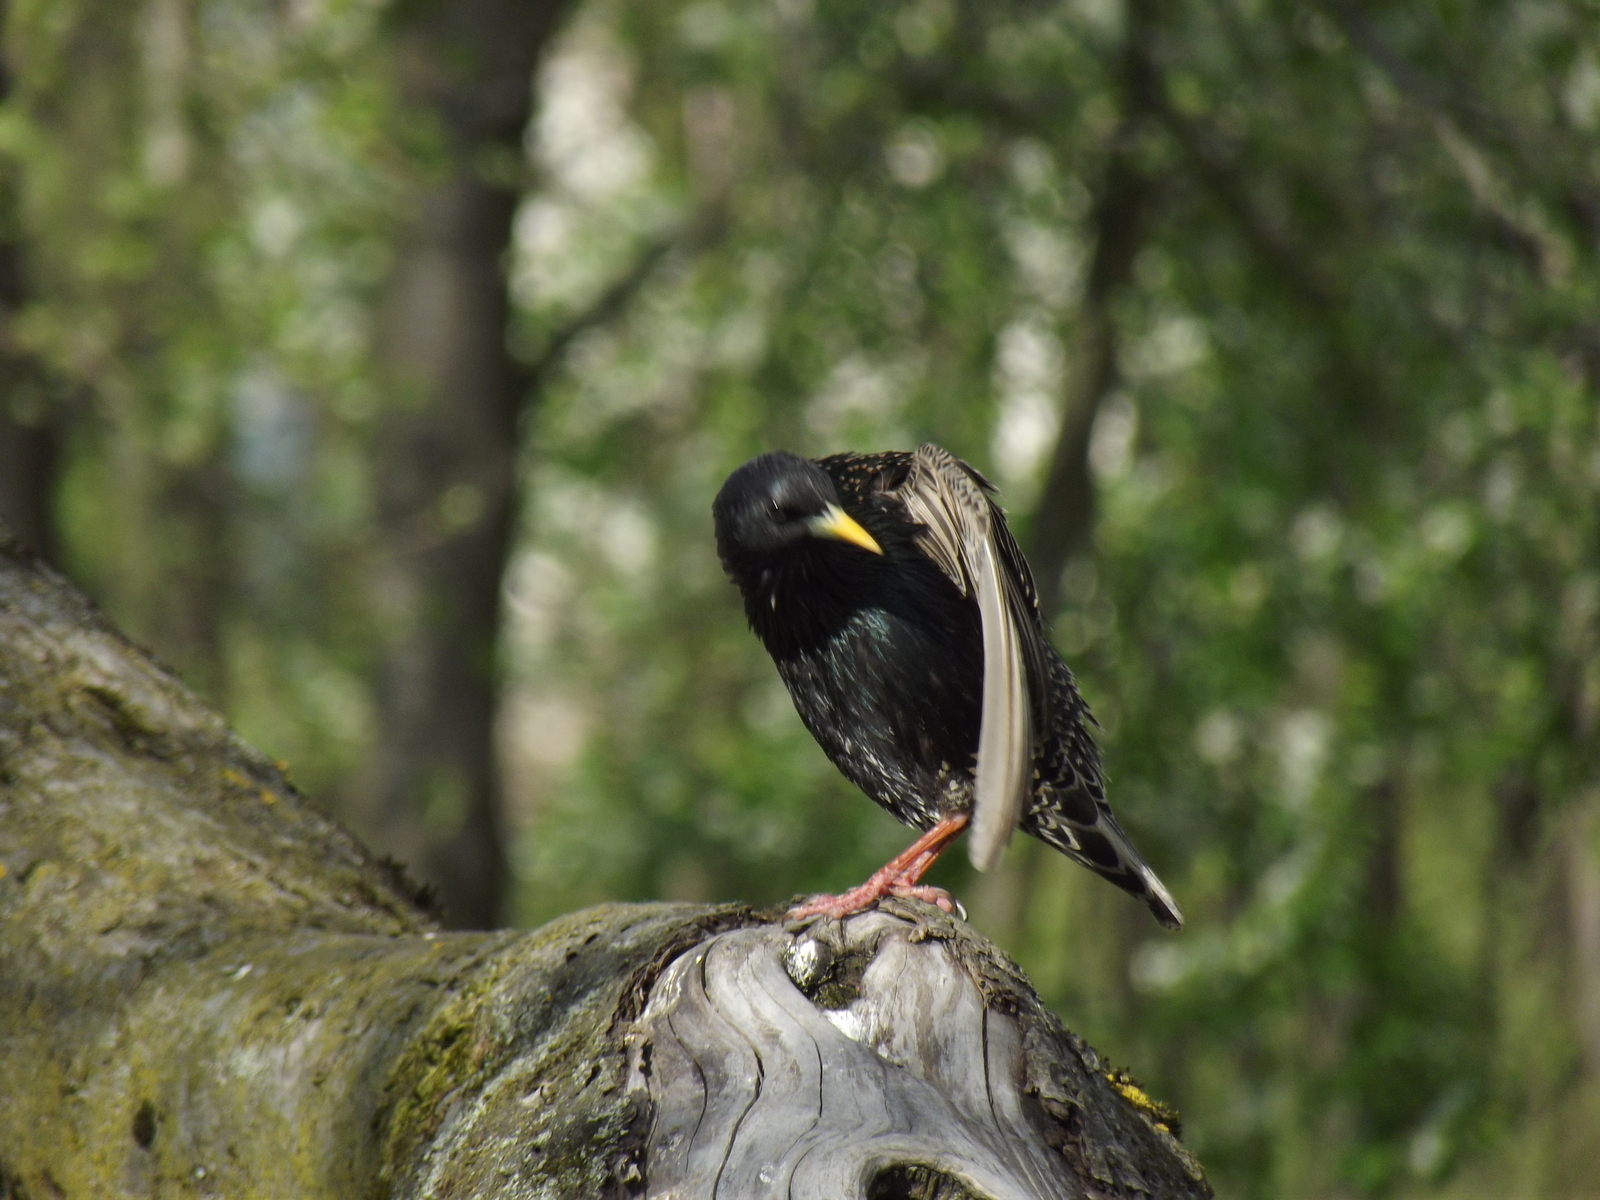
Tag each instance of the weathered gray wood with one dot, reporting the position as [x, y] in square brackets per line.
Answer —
[821, 1101]
[207, 988]
[808, 1064]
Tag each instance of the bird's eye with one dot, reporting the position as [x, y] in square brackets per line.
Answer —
[784, 512]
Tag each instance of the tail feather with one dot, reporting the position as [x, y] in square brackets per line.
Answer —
[1101, 846]
[1162, 906]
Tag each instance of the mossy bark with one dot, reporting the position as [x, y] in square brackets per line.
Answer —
[208, 988]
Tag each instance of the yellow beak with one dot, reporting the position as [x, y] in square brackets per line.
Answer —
[836, 523]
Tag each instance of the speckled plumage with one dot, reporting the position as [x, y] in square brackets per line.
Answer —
[883, 654]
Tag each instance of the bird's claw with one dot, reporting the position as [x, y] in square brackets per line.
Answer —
[859, 899]
[935, 896]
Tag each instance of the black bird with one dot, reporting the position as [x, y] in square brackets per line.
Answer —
[902, 618]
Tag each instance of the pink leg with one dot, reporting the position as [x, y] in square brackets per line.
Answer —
[899, 877]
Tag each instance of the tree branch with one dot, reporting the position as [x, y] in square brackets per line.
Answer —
[1460, 119]
[690, 236]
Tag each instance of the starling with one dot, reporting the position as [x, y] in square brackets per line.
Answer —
[902, 618]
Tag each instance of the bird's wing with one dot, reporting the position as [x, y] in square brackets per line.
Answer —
[965, 534]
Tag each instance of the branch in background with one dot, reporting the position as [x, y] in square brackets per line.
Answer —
[1294, 267]
[1520, 223]
[1460, 123]
[1273, 244]
[1064, 518]
[691, 236]
[1459, 120]
[1350, 374]
[928, 90]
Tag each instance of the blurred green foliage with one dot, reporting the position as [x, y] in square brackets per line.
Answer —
[209, 194]
[1340, 614]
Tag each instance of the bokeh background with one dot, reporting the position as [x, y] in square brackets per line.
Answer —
[375, 364]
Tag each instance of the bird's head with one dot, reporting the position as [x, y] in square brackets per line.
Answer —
[775, 502]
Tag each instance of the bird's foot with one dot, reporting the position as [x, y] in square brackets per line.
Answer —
[899, 877]
[859, 899]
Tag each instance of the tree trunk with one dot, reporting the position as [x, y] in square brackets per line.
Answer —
[446, 459]
[208, 988]
[28, 453]
[27, 432]
[27, 427]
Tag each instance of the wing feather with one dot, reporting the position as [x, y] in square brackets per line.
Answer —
[965, 534]
[1005, 739]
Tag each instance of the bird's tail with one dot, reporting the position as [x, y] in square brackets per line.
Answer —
[1101, 846]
